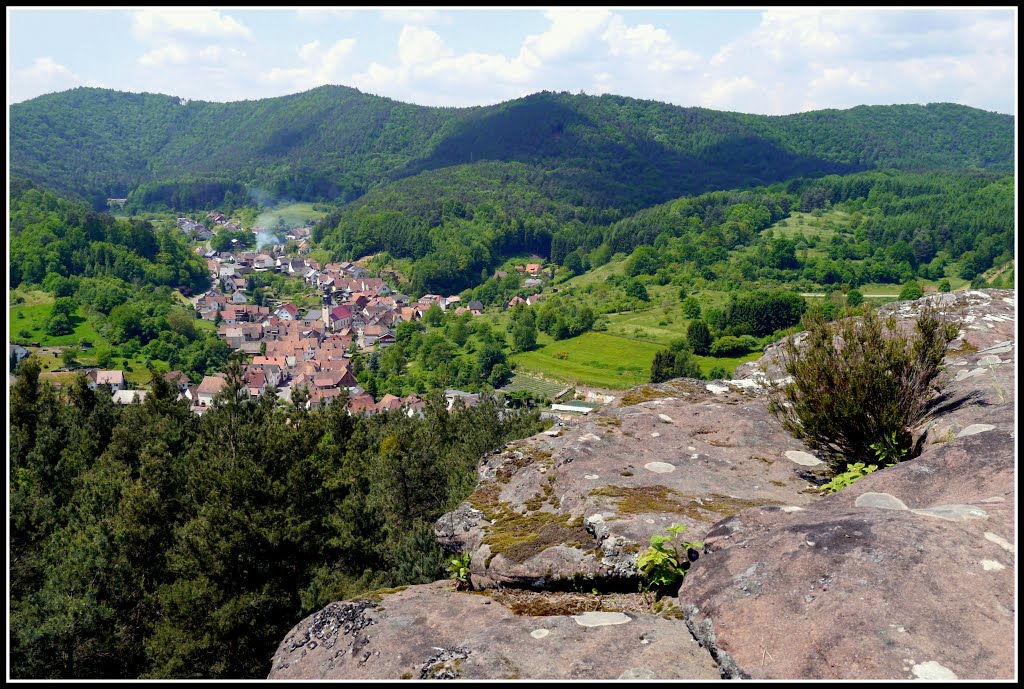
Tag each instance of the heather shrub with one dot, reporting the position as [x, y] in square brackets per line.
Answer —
[858, 382]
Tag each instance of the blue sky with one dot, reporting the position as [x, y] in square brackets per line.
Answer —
[774, 61]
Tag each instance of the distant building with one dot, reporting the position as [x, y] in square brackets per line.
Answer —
[129, 396]
[115, 379]
[575, 406]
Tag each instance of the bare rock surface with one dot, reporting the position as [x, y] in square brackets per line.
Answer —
[907, 574]
[432, 632]
[584, 503]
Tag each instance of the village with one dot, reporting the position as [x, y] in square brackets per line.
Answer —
[288, 347]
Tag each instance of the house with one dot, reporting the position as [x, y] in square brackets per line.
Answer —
[287, 312]
[115, 379]
[414, 405]
[533, 268]
[178, 380]
[451, 301]
[371, 334]
[17, 353]
[532, 282]
[321, 397]
[534, 299]
[467, 399]
[255, 381]
[515, 301]
[239, 297]
[129, 396]
[362, 404]
[389, 402]
[475, 307]
[207, 390]
[339, 317]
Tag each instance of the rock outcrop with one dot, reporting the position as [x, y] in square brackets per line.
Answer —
[908, 573]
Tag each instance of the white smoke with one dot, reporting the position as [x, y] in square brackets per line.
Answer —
[265, 238]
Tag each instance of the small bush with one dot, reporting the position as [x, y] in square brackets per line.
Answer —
[911, 290]
[727, 345]
[860, 382]
[664, 565]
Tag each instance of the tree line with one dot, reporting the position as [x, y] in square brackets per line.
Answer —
[148, 542]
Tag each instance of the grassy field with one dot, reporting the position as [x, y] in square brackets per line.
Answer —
[32, 319]
[591, 359]
[540, 388]
[293, 215]
[605, 360]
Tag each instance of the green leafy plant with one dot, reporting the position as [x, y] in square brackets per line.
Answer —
[853, 472]
[458, 569]
[859, 382]
[889, 451]
[664, 565]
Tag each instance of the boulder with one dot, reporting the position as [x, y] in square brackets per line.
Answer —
[585, 502]
[909, 573]
[432, 632]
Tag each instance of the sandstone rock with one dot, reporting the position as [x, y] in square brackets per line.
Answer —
[903, 575]
[431, 632]
[529, 523]
[909, 573]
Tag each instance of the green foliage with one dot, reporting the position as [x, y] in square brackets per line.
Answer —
[888, 450]
[718, 373]
[699, 336]
[636, 290]
[845, 398]
[854, 471]
[181, 552]
[762, 313]
[457, 568]
[854, 298]
[944, 286]
[644, 261]
[664, 565]
[58, 241]
[677, 362]
[911, 290]
[691, 307]
[727, 345]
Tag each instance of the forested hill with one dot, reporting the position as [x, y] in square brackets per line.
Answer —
[336, 143]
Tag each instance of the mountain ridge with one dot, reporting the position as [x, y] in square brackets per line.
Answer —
[335, 142]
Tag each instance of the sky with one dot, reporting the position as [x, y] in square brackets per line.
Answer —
[767, 61]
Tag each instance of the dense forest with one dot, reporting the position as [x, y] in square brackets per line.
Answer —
[335, 143]
[146, 541]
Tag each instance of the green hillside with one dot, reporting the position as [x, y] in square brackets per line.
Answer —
[334, 142]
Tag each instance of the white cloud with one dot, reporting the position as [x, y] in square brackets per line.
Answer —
[412, 15]
[167, 54]
[45, 75]
[319, 16]
[571, 32]
[418, 45]
[155, 23]
[725, 94]
[320, 66]
[841, 58]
